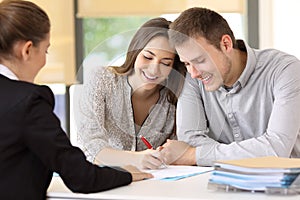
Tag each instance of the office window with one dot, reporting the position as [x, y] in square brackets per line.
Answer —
[60, 109]
[236, 23]
[106, 39]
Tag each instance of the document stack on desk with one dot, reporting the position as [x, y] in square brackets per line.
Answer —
[268, 174]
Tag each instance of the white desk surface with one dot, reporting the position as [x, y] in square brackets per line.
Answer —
[191, 188]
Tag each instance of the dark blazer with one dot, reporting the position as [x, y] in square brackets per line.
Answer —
[33, 146]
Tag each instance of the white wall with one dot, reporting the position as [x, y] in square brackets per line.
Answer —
[279, 26]
[286, 26]
[60, 66]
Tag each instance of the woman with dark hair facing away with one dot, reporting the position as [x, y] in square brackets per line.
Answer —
[33, 144]
[120, 104]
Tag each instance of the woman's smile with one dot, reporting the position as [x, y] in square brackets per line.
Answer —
[149, 77]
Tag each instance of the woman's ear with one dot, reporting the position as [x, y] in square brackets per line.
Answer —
[26, 50]
[226, 43]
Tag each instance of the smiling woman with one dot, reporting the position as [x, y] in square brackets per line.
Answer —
[120, 104]
[152, 66]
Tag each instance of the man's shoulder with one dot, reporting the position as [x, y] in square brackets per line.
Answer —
[275, 55]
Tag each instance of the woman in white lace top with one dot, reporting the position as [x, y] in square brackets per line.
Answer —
[121, 104]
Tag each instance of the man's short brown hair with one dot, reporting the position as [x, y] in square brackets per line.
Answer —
[202, 22]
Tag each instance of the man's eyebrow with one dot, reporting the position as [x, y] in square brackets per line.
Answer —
[193, 60]
[197, 58]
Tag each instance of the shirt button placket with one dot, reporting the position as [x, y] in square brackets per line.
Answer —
[235, 127]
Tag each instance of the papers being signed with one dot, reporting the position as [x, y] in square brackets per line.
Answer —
[176, 172]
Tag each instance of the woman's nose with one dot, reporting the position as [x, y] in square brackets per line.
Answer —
[153, 68]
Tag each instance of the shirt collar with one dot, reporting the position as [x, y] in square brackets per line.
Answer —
[248, 71]
[250, 66]
[7, 72]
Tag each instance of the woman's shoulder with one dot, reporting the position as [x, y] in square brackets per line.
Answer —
[98, 75]
[21, 91]
[102, 73]
[24, 88]
[103, 78]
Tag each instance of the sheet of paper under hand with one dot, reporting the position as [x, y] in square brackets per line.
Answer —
[176, 172]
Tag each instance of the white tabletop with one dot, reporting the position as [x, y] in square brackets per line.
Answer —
[189, 188]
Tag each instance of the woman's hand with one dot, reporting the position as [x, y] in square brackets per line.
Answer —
[148, 159]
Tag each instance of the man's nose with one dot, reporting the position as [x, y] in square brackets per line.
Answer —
[193, 71]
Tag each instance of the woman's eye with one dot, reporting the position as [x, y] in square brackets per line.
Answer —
[167, 64]
[148, 58]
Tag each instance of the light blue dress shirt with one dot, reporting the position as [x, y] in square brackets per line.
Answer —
[259, 116]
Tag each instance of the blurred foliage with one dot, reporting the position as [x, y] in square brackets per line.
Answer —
[110, 37]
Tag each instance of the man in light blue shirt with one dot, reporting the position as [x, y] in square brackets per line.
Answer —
[237, 102]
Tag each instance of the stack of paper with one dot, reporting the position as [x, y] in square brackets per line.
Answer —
[257, 174]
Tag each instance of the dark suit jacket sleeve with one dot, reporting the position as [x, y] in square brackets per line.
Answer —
[45, 137]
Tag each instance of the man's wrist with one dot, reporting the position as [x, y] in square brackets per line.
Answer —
[189, 157]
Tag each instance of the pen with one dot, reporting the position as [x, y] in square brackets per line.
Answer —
[146, 142]
[149, 146]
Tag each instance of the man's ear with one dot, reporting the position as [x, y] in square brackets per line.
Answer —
[226, 43]
[27, 50]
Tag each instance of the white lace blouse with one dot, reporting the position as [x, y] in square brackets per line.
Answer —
[104, 117]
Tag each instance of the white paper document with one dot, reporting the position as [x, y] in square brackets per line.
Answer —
[176, 172]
